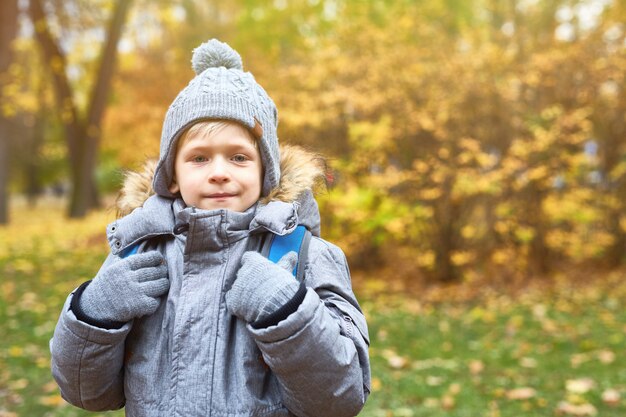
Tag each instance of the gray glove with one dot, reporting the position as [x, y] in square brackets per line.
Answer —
[127, 289]
[262, 287]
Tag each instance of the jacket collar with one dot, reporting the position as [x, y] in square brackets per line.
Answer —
[153, 218]
[227, 224]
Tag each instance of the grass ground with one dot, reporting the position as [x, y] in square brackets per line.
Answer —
[546, 350]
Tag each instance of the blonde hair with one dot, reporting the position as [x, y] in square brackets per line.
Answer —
[205, 128]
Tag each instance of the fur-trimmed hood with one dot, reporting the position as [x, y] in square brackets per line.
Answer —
[302, 173]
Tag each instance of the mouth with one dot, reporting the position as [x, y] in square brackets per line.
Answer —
[219, 196]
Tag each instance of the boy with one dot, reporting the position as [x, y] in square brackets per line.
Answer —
[198, 323]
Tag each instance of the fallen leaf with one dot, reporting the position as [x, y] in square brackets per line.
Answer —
[431, 402]
[454, 389]
[549, 326]
[447, 402]
[539, 311]
[376, 384]
[575, 398]
[606, 357]
[396, 362]
[523, 393]
[433, 381]
[611, 397]
[434, 363]
[578, 359]
[52, 400]
[18, 384]
[49, 387]
[579, 386]
[476, 367]
[576, 410]
[16, 351]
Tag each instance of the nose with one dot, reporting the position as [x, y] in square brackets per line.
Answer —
[219, 171]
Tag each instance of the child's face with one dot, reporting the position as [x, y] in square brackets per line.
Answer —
[221, 170]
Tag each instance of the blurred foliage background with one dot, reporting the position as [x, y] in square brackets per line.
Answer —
[466, 137]
[478, 135]
[471, 142]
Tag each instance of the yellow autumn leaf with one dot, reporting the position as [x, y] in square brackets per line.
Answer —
[430, 194]
[468, 231]
[426, 259]
[460, 258]
[579, 386]
[16, 351]
[53, 400]
[500, 256]
[376, 384]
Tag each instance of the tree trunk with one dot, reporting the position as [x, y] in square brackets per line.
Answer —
[615, 253]
[37, 137]
[610, 127]
[32, 174]
[446, 234]
[83, 136]
[4, 170]
[8, 31]
[99, 94]
[539, 254]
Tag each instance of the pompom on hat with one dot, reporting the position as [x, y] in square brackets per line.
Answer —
[220, 90]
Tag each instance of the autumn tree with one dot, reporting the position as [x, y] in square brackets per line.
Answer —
[8, 30]
[463, 137]
[82, 126]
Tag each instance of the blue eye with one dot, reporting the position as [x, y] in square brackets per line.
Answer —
[240, 158]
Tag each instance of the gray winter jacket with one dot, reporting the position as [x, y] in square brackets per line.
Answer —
[192, 357]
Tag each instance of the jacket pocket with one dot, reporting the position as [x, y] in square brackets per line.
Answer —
[348, 323]
[354, 327]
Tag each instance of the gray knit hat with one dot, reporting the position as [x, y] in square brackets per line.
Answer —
[220, 90]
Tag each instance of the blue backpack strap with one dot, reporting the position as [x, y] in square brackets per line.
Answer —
[131, 250]
[145, 245]
[275, 247]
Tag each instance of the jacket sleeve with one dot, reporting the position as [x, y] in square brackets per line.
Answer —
[88, 361]
[319, 354]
